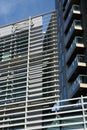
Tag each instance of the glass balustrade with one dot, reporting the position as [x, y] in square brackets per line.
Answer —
[77, 40]
[76, 84]
[76, 9]
[73, 66]
[74, 87]
[75, 25]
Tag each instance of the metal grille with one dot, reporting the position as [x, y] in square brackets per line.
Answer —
[71, 114]
[29, 77]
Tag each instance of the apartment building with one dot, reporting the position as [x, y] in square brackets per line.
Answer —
[72, 38]
[71, 109]
[29, 73]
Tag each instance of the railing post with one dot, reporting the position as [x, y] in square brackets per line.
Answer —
[83, 112]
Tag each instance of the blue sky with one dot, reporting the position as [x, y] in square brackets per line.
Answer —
[16, 10]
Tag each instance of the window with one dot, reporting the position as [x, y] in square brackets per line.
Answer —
[5, 56]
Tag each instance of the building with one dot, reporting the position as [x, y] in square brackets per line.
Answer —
[71, 109]
[72, 38]
[29, 73]
[44, 59]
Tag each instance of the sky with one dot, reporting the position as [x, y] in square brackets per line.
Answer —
[16, 10]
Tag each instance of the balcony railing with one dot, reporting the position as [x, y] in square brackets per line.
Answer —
[79, 58]
[74, 9]
[75, 25]
[67, 5]
[77, 40]
[76, 85]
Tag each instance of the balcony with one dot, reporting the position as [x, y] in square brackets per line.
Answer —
[68, 6]
[76, 45]
[77, 66]
[74, 13]
[75, 29]
[79, 84]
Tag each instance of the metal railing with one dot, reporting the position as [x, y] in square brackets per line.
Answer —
[29, 83]
[71, 114]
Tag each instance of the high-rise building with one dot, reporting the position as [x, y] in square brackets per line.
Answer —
[71, 110]
[72, 39]
[29, 73]
[43, 70]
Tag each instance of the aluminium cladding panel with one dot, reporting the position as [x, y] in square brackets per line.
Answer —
[13, 74]
[43, 73]
[12, 96]
[15, 27]
[43, 80]
[35, 68]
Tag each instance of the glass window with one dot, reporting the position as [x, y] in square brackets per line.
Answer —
[5, 56]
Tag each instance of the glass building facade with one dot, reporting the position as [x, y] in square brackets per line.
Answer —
[71, 109]
[72, 37]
